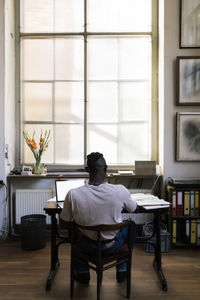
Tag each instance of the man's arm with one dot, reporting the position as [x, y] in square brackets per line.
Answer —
[130, 204]
[66, 214]
[137, 210]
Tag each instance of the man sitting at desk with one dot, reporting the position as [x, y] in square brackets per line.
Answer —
[97, 203]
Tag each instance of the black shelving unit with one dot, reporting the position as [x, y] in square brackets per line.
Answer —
[184, 216]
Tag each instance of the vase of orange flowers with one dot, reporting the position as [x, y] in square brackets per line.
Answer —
[37, 149]
[37, 167]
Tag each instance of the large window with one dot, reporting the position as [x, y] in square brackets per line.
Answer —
[87, 73]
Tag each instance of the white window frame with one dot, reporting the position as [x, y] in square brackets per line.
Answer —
[154, 80]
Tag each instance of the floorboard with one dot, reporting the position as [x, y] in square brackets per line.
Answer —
[23, 275]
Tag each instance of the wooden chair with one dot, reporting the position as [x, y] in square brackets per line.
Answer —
[102, 260]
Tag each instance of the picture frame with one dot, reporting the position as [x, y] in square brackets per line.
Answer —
[188, 136]
[189, 24]
[188, 80]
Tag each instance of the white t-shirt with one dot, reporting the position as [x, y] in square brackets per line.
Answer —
[91, 205]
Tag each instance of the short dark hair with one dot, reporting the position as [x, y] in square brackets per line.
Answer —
[92, 159]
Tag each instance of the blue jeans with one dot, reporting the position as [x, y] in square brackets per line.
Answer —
[89, 246]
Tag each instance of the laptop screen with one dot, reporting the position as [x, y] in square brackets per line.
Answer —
[63, 187]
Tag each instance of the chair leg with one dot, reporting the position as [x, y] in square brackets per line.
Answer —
[72, 278]
[99, 281]
[128, 279]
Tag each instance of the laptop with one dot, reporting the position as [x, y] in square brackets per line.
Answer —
[63, 187]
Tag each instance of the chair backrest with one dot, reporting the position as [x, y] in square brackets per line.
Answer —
[101, 260]
[108, 227]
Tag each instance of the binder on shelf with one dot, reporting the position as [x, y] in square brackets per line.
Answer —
[198, 232]
[187, 231]
[174, 232]
[186, 203]
[173, 203]
[192, 203]
[193, 232]
[196, 203]
[179, 204]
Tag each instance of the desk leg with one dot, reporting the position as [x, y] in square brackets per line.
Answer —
[157, 263]
[54, 253]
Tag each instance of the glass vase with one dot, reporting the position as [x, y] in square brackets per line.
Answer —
[37, 169]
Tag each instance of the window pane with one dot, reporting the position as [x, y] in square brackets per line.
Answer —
[36, 16]
[47, 156]
[51, 15]
[37, 59]
[69, 59]
[135, 58]
[69, 15]
[119, 58]
[117, 69]
[134, 143]
[103, 138]
[69, 144]
[102, 102]
[102, 58]
[135, 101]
[119, 15]
[120, 144]
[37, 98]
[69, 101]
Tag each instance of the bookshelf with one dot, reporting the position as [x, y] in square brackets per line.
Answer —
[184, 218]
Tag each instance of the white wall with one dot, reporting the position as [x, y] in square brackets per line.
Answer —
[7, 99]
[171, 50]
[10, 84]
[2, 115]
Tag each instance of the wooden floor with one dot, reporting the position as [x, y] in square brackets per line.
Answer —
[23, 275]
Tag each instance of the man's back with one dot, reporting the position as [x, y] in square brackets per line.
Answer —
[93, 205]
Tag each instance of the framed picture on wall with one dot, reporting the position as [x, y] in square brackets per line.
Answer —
[188, 80]
[188, 136]
[189, 24]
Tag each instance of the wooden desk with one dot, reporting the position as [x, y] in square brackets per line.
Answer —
[36, 182]
[52, 209]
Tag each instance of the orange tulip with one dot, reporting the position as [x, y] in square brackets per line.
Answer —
[42, 144]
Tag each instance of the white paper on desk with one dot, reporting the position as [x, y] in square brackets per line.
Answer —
[142, 196]
[125, 172]
[52, 199]
[155, 206]
[151, 202]
[148, 200]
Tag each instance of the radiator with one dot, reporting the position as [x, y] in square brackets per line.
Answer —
[139, 219]
[31, 201]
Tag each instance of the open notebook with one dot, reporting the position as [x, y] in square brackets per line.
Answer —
[63, 187]
[148, 201]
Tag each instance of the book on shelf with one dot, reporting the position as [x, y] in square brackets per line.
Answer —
[196, 203]
[198, 232]
[186, 203]
[187, 231]
[173, 203]
[193, 231]
[179, 203]
[192, 203]
[174, 232]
